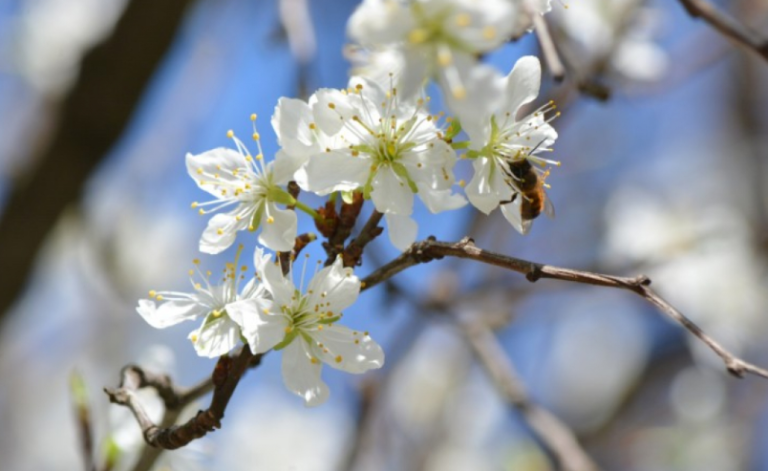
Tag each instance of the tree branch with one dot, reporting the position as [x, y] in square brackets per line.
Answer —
[430, 249]
[557, 437]
[112, 78]
[224, 380]
[726, 25]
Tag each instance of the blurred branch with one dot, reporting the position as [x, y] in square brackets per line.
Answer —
[112, 78]
[223, 381]
[557, 437]
[726, 25]
[548, 48]
[430, 249]
[84, 419]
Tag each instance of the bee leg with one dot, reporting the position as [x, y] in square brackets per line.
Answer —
[511, 200]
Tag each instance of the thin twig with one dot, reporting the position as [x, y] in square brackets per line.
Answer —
[354, 251]
[430, 249]
[726, 25]
[224, 380]
[555, 435]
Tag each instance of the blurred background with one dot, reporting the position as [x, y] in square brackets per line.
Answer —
[664, 146]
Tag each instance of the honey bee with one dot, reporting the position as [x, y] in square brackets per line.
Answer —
[530, 198]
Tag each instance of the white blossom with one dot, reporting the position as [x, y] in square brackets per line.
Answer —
[600, 33]
[218, 333]
[236, 178]
[385, 146]
[440, 39]
[303, 326]
[501, 139]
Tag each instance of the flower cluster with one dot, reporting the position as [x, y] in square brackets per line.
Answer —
[375, 140]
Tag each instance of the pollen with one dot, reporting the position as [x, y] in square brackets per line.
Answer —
[256, 136]
[332, 106]
[196, 261]
[217, 313]
[417, 36]
[312, 126]
[489, 32]
[314, 361]
[191, 272]
[159, 297]
[338, 359]
[220, 231]
[444, 58]
[289, 329]
[459, 93]
[152, 293]
[462, 183]
[194, 205]
[199, 171]
[463, 20]
[357, 341]
[230, 134]
[270, 220]
[253, 117]
[193, 338]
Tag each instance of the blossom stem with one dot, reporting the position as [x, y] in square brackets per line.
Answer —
[460, 145]
[315, 215]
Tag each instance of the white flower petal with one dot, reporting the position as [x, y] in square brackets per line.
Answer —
[348, 350]
[336, 171]
[391, 194]
[521, 87]
[482, 87]
[170, 313]
[260, 328]
[487, 186]
[291, 122]
[301, 375]
[279, 234]
[331, 110]
[285, 166]
[280, 287]
[217, 337]
[380, 22]
[414, 73]
[438, 201]
[335, 286]
[221, 232]
[212, 170]
[402, 230]
[511, 212]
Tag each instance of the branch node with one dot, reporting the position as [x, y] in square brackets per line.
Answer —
[534, 273]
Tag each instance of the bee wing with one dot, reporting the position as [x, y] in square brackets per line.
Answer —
[549, 208]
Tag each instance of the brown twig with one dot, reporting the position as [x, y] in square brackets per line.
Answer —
[354, 251]
[112, 78]
[224, 380]
[726, 25]
[338, 227]
[555, 435]
[430, 249]
[301, 242]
